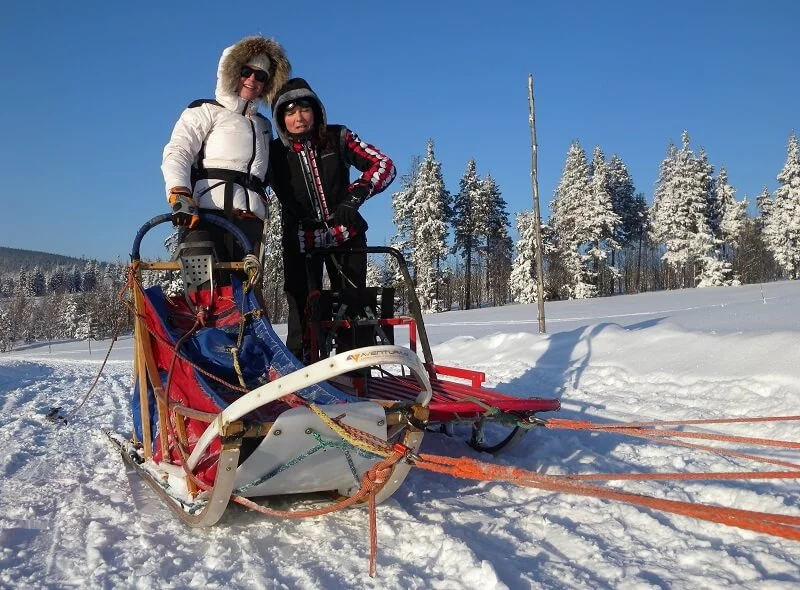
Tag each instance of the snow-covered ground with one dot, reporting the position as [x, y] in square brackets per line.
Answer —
[71, 515]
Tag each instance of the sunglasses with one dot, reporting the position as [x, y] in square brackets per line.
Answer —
[247, 71]
[297, 105]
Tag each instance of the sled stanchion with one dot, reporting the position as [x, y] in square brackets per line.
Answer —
[151, 374]
[141, 334]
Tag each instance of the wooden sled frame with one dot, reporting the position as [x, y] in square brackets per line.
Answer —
[402, 418]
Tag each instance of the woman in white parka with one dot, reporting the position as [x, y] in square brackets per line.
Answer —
[216, 159]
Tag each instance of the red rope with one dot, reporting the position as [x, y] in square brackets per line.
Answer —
[371, 483]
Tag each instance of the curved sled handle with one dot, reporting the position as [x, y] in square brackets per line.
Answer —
[349, 360]
[210, 218]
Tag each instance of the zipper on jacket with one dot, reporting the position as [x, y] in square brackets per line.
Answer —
[313, 182]
[252, 155]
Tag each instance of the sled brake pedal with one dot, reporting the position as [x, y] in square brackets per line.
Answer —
[197, 265]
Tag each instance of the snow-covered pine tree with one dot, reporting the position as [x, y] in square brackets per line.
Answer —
[632, 211]
[680, 217]
[522, 280]
[20, 307]
[6, 286]
[764, 204]
[171, 243]
[38, 282]
[74, 280]
[430, 214]
[107, 309]
[83, 331]
[753, 260]
[403, 205]
[90, 272]
[603, 225]
[467, 225]
[56, 281]
[71, 316]
[712, 269]
[84, 319]
[24, 286]
[499, 246]
[570, 225]
[782, 215]
[49, 309]
[6, 334]
[376, 277]
[733, 213]
[623, 201]
[631, 208]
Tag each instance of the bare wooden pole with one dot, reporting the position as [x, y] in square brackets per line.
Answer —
[537, 217]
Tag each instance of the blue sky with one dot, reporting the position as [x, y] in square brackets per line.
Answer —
[91, 91]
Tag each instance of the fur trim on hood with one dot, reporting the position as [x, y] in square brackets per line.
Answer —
[243, 52]
[296, 89]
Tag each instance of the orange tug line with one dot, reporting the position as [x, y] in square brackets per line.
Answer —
[778, 525]
[787, 527]
[784, 526]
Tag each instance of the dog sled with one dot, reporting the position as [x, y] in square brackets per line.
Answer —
[222, 411]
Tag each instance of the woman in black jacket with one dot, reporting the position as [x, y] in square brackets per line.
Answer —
[310, 173]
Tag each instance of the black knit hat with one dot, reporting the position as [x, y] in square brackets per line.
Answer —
[292, 91]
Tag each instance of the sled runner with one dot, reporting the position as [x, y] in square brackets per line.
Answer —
[222, 410]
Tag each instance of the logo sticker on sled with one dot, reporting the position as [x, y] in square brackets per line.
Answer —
[377, 354]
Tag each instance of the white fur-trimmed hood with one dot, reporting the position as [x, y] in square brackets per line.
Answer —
[239, 54]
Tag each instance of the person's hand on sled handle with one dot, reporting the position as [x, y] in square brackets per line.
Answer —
[346, 212]
[184, 209]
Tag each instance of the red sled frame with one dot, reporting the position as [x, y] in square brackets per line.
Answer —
[496, 419]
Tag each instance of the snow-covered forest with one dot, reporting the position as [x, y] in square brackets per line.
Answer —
[601, 238]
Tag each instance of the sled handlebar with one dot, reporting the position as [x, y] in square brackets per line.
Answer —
[210, 218]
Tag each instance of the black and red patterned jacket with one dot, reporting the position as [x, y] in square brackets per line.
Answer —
[311, 175]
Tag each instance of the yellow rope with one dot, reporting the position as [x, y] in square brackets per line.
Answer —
[234, 352]
[382, 451]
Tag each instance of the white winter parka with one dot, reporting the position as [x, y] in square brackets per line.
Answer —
[228, 135]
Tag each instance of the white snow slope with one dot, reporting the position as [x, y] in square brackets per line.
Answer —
[72, 516]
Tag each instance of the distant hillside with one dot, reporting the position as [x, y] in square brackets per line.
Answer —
[12, 259]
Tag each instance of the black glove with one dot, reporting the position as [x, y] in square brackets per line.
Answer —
[184, 209]
[346, 212]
